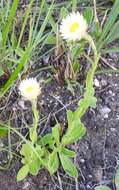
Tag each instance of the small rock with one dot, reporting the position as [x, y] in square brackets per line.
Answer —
[22, 104]
[96, 82]
[26, 185]
[103, 82]
[82, 160]
[105, 110]
[117, 117]
[106, 116]
[90, 176]
[112, 129]
[110, 92]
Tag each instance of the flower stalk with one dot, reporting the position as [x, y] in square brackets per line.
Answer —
[33, 130]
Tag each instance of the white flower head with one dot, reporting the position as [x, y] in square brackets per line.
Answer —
[29, 89]
[73, 27]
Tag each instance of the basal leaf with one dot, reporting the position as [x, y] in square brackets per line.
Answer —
[68, 152]
[34, 165]
[56, 133]
[22, 172]
[47, 139]
[53, 162]
[68, 166]
[25, 151]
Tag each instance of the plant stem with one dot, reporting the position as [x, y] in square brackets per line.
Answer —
[35, 113]
[91, 42]
[85, 103]
[91, 73]
[33, 130]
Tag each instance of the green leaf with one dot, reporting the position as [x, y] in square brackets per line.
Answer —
[117, 179]
[31, 159]
[114, 33]
[8, 24]
[53, 162]
[64, 12]
[68, 166]
[96, 29]
[75, 52]
[14, 40]
[3, 131]
[34, 166]
[56, 133]
[76, 131]
[22, 61]
[46, 139]
[39, 150]
[38, 37]
[109, 24]
[102, 187]
[68, 152]
[51, 39]
[22, 172]
[25, 151]
[88, 15]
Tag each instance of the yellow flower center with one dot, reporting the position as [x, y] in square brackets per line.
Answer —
[74, 27]
[29, 89]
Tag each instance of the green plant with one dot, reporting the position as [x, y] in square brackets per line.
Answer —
[56, 148]
[47, 150]
[50, 150]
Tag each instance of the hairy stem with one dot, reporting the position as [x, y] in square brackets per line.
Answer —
[33, 130]
[85, 103]
[35, 113]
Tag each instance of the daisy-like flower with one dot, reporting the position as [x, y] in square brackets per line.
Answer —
[29, 89]
[73, 27]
